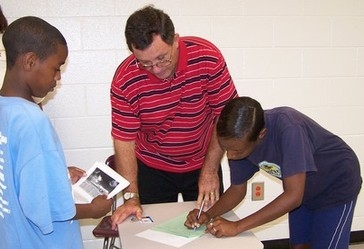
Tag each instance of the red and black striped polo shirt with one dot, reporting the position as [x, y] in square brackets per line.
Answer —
[171, 120]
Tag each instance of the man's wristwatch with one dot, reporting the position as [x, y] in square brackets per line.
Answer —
[130, 195]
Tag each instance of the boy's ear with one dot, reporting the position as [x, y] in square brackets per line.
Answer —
[262, 133]
[29, 60]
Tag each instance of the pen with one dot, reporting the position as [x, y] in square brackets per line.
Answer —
[199, 212]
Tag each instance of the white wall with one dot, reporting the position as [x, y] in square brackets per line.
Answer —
[308, 54]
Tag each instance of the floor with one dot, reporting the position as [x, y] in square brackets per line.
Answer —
[357, 246]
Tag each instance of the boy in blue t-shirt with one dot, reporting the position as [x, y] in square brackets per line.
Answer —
[36, 205]
[320, 174]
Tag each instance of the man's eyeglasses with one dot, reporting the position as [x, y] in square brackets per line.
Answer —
[160, 63]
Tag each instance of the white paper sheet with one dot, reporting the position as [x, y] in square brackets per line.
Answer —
[165, 238]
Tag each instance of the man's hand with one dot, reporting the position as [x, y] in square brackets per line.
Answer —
[130, 207]
[208, 186]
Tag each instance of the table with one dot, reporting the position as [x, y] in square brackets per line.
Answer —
[165, 211]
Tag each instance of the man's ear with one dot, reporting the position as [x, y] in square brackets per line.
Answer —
[29, 60]
[176, 40]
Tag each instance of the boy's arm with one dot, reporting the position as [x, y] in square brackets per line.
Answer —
[98, 208]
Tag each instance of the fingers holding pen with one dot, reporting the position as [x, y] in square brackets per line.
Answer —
[193, 221]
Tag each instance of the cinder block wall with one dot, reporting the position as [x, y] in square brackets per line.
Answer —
[308, 54]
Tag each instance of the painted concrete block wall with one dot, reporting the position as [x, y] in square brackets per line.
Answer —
[308, 54]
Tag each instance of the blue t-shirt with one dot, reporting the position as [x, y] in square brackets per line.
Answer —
[36, 205]
[294, 144]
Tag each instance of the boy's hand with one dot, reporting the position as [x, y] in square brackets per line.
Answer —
[101, 206]
[192, 221]
[75, 173]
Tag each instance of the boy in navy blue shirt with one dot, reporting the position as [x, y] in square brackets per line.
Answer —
[320, 175]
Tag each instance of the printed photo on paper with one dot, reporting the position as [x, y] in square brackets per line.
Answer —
[100, 180]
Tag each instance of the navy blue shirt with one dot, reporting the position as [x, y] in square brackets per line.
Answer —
[294, 143]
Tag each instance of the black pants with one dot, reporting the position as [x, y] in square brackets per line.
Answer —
[156, 186]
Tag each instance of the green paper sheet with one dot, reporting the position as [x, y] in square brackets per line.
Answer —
[176, 226]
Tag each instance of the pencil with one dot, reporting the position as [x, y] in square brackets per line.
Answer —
[199, 212]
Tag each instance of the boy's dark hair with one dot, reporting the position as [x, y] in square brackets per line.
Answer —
[240, 117]
[143, 24]
[3, 21]
[31, 34]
